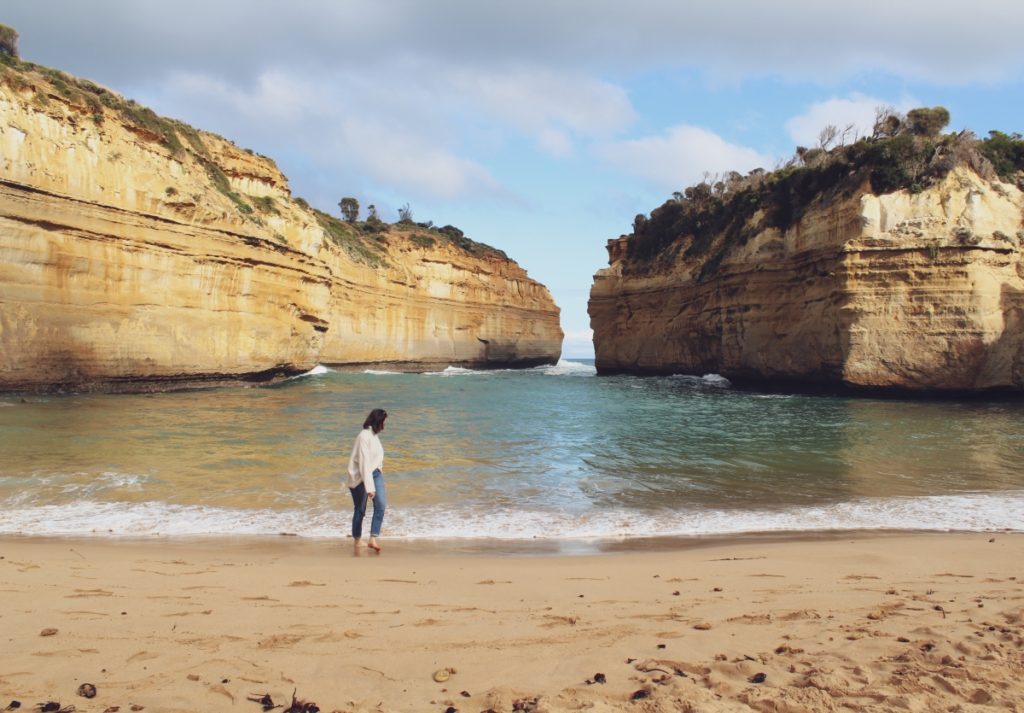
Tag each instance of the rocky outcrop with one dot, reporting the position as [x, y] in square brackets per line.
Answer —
[137, 252]
[906, 291]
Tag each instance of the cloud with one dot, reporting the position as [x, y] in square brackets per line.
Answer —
[342, 124]
[419, 81]
[681, 156]
[554, 142]
[400, 159]
[407, 125]
[857, 110]
[276, 97]
[551, 107]
[942, 41]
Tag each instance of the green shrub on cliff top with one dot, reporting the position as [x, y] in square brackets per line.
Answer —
[8, 42]
[458, 238]
[1006, 152]
[927, 122]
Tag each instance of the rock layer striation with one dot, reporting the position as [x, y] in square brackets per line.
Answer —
[138, 252]
[922, 292]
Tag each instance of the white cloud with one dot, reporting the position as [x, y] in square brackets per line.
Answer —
[388, 135]
[552, 107]
[857, 110]
[277, 97]
[405, 125]
[681, 156]
[409, 161]
[944, 41]
[554, 142]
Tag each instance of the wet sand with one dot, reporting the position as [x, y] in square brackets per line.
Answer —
[854, 622]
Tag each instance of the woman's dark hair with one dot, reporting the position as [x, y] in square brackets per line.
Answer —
[376, 420]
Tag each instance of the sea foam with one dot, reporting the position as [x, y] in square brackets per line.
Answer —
[84, 518]
[318, 370]
[565, 367]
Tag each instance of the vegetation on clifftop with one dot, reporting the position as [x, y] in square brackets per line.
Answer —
[367, 241]
[424, 235]
[903, 153]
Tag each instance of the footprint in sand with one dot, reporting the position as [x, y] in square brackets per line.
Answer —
[751, 619]
[84, 593]
[332, 637]
[24, 566]
[800, 614]
[141, 656]
[280, 641]
[560, 621]
[79, 613]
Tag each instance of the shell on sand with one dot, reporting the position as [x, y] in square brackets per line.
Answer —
[442, 674]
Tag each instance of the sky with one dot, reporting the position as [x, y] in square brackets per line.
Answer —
[537, 126]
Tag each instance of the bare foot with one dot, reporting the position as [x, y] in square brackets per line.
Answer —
[373, 545]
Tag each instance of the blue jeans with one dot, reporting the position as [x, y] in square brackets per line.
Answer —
[380, 504]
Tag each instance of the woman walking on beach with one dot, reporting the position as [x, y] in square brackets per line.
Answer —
[366, 478]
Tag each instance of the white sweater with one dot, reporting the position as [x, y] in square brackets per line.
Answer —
[367, 456]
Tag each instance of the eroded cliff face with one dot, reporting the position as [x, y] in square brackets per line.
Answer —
[918, 292]
[437, 305]
[131, 257]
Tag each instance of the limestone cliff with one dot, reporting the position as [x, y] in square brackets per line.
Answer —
[919, 290]
[137, 251]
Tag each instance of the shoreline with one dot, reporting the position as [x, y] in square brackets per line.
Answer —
[148, 385]
[890, 621]
[491, 547]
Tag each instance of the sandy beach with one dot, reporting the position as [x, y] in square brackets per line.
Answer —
[867, 622]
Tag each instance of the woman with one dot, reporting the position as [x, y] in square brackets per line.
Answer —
[366, 478]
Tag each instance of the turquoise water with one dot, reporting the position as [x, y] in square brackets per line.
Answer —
[553, 452]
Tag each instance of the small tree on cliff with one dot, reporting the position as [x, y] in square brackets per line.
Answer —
[349, 209]
[928, 122]
[8, 41]
[373, 222]
[405, 214]
[888, 122]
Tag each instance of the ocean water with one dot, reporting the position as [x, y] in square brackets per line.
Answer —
[552, 453]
